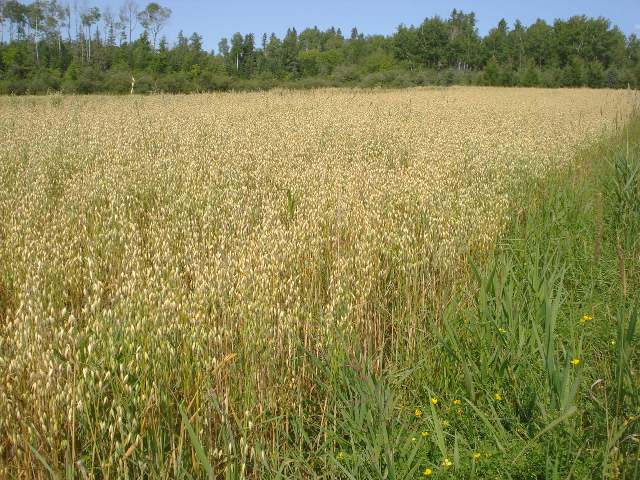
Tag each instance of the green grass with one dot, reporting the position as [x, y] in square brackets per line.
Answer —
[503, 352]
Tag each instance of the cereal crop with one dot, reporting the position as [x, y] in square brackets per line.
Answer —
[162, 253]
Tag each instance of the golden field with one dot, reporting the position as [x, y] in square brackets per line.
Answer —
[167, 250]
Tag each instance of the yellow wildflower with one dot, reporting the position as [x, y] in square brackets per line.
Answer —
[575, 362]
[498, 397]
[457, 402]
[425, 434]
[418, 413]
[476, 455]
[341, 456]
[585, 319]
[502, 330]
[427, 472]
[434, 400]
[446, 463]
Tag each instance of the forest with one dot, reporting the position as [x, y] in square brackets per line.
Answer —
[52, 46]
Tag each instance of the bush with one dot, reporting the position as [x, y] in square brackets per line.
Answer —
[178, 82]
[595, 76]
[377, 79]
[492, 72]
[425, 77]
[43, 82]
[629, 78]
[573, 74]
[13, 87]
[118, 82]
[87, 80]
[531, 76]
[507, 78]
[377, 61]
[312, 82]
[448, 77]
[404, 80]
[345, 74]
[551, 78]
[612, 78]
[144, 83]
[210, 82]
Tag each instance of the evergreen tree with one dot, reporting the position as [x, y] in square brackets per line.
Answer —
[290, 52]
[492, 72]
[248, 66]
[497, 43]
[516, 39]
[531, 77]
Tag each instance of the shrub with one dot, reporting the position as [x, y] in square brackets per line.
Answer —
[595, 76]
[178, 82]
[345, 74]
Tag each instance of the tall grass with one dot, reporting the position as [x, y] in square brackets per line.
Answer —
[178, 313]
[533, 373]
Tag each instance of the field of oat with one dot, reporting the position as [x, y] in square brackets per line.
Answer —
[241, 285]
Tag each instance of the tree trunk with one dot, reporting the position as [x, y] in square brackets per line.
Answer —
[81, 42]
[36, 42]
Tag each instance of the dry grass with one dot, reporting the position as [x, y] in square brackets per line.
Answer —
[157, 251]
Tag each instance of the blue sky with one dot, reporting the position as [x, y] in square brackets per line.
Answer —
[214, 19]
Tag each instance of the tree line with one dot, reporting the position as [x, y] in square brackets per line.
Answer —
[48, 45]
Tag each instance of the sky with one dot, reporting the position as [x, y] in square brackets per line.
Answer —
[214, 19]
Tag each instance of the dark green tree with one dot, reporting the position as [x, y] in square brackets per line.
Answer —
[290, 52]
[406, 46]
[595, 74]
[463, 40]
[492, 72]
[248, 56]
[538, 43]
[497, 43]
[433, 43]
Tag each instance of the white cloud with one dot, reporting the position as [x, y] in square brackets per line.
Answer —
[637, 27]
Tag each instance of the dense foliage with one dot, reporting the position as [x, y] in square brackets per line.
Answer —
[46, 45]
